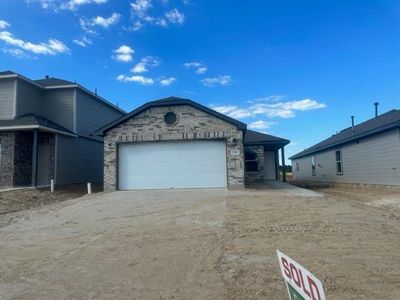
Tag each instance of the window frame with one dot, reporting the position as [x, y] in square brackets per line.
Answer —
[246, 161]
[339, 162]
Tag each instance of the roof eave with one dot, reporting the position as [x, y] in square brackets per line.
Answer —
[367, 134]
[40, 127]
[101, 131]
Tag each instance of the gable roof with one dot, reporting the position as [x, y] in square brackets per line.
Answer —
[171, 101]
[54, 83]
[386, 121]
[257, 138]
[31, 121]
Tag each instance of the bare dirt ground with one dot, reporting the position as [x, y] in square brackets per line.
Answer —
[16, 200]
[200, 244]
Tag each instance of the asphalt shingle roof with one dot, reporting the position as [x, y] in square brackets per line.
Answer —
[388, 120]
[254, 137]
[31, 119]
[53, 82]
[6, 73]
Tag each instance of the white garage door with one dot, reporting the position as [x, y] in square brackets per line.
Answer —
[163, 165]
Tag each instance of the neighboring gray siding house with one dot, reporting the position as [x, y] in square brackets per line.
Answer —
[368, 153]
[46, 131]
[178, 143]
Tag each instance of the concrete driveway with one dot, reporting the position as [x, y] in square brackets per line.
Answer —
[187, 244]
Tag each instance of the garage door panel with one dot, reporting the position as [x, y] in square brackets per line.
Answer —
[172, 165]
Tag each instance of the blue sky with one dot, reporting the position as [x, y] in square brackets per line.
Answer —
[295, 69]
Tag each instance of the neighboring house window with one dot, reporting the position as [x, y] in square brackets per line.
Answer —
[297, 167]
[313, 168]
[339, 164]
[250, 161]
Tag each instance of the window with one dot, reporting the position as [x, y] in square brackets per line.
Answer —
[313, 168]
[297, 167]
[250, 161]
[339, 164]
[170, 118]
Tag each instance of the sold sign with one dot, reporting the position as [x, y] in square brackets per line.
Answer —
[301, 284]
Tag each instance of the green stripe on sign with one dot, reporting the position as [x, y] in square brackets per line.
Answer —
[293, 294]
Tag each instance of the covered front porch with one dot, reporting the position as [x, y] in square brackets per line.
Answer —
[28, 147]
[261, 155]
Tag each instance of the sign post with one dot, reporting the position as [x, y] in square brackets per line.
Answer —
[301, 284]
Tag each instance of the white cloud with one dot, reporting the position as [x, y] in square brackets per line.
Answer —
[56, 5]
[141, 15]
[221, 80]
[18, 53]
[136, 78]
[52, 47]
[74, 4]
[271, 108]
[200, 67]
[83, 42]
[233, 111]
[145, 62]
[175, 17]
[167, 81]
[4, 24]
[106, 22]
[123, 53]
[260, 125]
[88, 24]
[140, 7]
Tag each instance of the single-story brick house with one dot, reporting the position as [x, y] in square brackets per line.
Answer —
[178, 143]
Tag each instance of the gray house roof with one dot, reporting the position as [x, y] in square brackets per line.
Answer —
[384, 122]
[54, 82]
[50, 83]
[31, 121]
[170, 101]
[257, 138]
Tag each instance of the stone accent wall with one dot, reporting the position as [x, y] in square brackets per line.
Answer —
[192, 124]
[23, 158]
[259, 175]
[16, 157]
[7, 141]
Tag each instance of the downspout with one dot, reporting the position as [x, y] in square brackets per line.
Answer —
[34, 157]
[283, 164]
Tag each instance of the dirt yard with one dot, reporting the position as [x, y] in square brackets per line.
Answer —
[201, 244]
[16, 200]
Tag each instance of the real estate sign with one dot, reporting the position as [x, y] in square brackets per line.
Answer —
[301, 284]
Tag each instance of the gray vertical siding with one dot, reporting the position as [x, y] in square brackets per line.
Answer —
[59, 107]
[29, 99]
[373, 160]
[7, 99]
[79, 160]
[270, 165]
[92, 114]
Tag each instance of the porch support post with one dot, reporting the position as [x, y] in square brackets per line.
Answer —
[277, 177]
[34, 157]
[283, 164]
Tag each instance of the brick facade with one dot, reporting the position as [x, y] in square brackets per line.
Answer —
[7, 141]
[193, 124]
[259, 175]
[16, 157]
